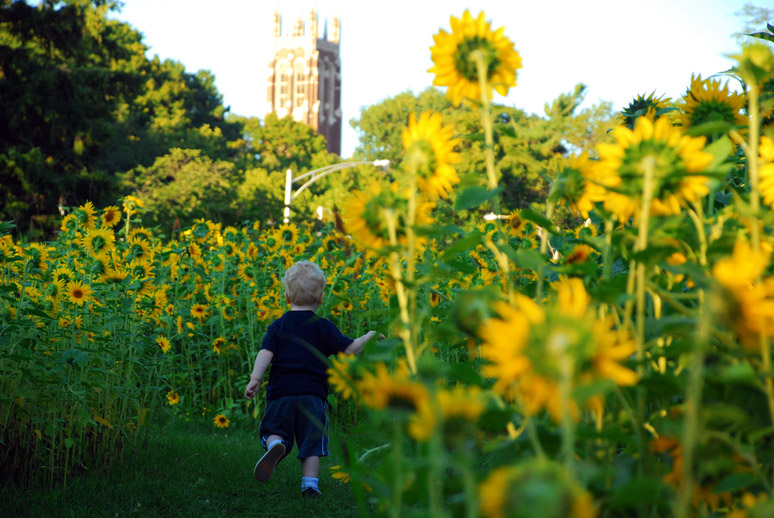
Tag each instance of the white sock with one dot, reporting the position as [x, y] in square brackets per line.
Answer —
[272, 443]
[309, 482]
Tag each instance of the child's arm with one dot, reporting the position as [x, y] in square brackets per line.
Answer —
[261, 364]
[358, 343]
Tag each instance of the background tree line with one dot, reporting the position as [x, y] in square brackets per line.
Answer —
[86, 115]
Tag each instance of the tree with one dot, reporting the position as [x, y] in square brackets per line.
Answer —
[185, 185]
[526, 147]
[80, 103]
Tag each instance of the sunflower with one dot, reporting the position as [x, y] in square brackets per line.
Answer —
[648, 106]
[339, 377]
[454, 67]
[430, 147]
[744, 302]
[676, 160]
[98, 241]
[580, 254]
[364, 215]
[218, 343]
[705, 101]
[113, 276]
[221, 421]
[141, 233]
[199, 311]
[535, 488]
[577, 185]
[173, 398]
[163, 342]
[288, 234]
[273, 240]
[766, 184]
[86, 216]
[37, 257]
[111, 216]
[529, 347]
[78, 292]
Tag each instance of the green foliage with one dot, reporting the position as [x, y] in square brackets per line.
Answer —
[185, 185]
[80, 103]
[526, 147]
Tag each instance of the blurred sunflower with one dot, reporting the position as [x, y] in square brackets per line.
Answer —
[37, 256]
[86, 216]
[529, 348]
[173, 398]
[453, 66]
[163, 342]
[98, 241]
[746, 303]
[676, 160]
[577, 185]
[78, 292]
[648, 106]
[766, 184]
[580, 254]
[535, 488]
[430, 147]
[199, 311]
[364, 215]
[111, 216]
[705, 101]
[339, 377]
[221, 421]
[218, 343]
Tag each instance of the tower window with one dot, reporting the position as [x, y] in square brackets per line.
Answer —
[284, 87]
[298, 99]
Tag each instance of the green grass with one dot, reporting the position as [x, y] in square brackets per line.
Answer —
[188, 470]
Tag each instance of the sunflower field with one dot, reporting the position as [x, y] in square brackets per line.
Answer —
[620, 366]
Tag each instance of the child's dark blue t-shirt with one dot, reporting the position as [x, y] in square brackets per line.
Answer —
[295, 368]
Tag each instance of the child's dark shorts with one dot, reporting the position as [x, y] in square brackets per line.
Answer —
[303, 418]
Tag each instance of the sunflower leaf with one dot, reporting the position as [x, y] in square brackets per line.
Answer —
[762, 35]
[475, 196]
[710, 128]
[539, 220]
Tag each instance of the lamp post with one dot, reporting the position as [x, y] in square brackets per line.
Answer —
[315, 175]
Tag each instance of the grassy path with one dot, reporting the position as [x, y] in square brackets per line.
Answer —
[187, 470]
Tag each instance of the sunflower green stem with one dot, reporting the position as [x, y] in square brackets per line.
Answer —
[543, 250]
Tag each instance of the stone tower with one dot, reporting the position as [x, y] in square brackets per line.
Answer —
[305, 76]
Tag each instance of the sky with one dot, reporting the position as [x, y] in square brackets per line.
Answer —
[618, 48]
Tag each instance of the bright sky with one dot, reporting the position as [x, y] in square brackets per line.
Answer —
[619, 48]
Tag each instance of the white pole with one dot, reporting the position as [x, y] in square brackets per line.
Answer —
[288, 189]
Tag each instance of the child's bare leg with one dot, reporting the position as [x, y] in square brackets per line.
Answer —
[310, 467]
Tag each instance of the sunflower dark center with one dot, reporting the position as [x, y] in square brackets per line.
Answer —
[467, 67]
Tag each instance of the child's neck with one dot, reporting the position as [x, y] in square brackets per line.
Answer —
[294, 307]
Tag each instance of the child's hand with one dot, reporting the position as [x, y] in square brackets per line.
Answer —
[252, 388]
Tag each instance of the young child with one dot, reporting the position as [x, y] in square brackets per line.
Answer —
[296, 397]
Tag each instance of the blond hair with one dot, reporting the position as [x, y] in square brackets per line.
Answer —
[304, 283]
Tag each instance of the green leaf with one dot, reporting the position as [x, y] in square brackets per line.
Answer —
[539, 219]
[738, 373]
[465, 373]
[734, 482]
[530, 259]
[463, 245]
[475, 196]
[709, 128]
[762, 35]
[68, 442]
[641, 490]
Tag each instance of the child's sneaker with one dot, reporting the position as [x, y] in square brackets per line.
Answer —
[311, 492]
[265, 467]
